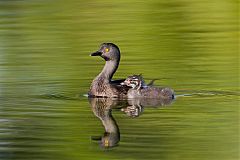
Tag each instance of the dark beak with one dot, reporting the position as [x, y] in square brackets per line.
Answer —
[96, 54]
[96, 138]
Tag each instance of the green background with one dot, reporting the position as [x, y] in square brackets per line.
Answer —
[191, 46]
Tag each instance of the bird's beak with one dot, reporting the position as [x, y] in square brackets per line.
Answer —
[96, 53]
[96, 138]
[124, 83]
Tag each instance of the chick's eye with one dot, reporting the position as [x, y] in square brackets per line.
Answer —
[106, 49]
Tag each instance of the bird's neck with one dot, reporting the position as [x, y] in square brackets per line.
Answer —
[108, 71]
[110, 124]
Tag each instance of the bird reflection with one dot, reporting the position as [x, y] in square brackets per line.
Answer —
[102, 108]
[136, 106]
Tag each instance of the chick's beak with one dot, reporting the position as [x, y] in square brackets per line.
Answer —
[126, 82]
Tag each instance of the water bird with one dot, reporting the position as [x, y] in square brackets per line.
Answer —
[140, 90]
[103, 85]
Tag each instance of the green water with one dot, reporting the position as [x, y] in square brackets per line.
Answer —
[45, 70]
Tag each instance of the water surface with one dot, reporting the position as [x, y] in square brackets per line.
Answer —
[45, 70]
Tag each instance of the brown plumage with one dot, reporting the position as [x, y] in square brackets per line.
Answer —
[103, 85]
[140, 91]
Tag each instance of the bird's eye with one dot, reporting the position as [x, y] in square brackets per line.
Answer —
[106, 49]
